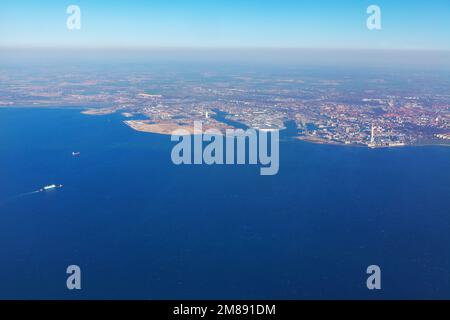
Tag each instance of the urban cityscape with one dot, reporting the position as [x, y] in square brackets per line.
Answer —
[326, 110]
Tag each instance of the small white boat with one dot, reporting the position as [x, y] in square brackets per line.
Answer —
[51, 187]
[76, 153]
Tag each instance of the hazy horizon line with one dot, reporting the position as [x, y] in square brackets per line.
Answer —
[232, 48]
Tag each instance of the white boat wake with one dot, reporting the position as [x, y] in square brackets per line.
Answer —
[43, 189]
[29, 193]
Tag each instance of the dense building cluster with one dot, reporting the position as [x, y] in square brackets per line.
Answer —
[338, 108]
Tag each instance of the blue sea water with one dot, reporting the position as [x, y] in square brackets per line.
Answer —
[141, 227]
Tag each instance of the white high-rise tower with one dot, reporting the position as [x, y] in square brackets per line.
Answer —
[372, 135]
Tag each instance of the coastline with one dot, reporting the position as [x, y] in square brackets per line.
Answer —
[169, 127]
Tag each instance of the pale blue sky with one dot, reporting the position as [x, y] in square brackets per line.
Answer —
[227, 23]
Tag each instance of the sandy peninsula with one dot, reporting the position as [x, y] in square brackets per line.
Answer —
[168, 127]
[99, 111]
